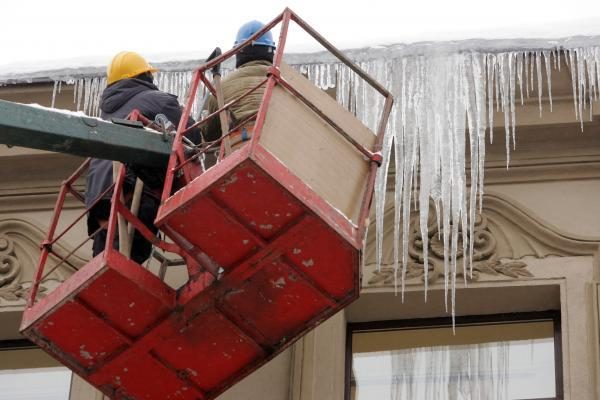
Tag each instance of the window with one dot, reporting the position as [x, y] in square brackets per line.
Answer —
[512, 356]
[27, 373]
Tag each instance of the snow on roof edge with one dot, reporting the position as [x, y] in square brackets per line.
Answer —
[45, 74]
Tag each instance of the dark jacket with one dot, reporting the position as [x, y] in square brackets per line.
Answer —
[118, 100]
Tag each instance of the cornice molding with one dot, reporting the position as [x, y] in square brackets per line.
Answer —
[505, 233]
[543, 172]
[19, 253]
[522, 233]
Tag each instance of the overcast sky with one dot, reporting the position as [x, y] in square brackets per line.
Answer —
[34, 31]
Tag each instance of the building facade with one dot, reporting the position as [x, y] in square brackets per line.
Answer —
[534, 288]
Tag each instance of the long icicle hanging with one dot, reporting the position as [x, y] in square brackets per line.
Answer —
[435, 95]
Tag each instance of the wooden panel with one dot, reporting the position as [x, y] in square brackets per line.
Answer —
[313, 150]
[338, 114]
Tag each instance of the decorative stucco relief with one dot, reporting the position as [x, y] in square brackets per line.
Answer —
[505, 233]
[19, 252]
[10, 270]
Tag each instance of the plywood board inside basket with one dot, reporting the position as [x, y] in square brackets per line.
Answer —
[330, 107]
[312, 149]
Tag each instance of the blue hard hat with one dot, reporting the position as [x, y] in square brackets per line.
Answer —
[249, 29]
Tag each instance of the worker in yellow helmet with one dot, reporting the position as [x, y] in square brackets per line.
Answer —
[131, 86]
[127, 64]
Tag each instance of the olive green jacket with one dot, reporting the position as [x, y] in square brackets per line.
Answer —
[234, 85]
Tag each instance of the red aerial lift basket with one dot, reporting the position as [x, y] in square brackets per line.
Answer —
[279, 221]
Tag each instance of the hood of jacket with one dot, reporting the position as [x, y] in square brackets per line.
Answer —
[119, 93]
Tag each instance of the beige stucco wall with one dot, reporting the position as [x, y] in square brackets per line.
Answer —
[571, 206]
[554, 179]
[270, 382]
[563, 283]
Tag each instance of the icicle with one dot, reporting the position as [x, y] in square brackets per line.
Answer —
[400, 165]
[409, 131]
[471, 81]
[439, 96]
[80, 91]
[570, 58]
[481, 117]
[581, 73]
[531, 68]
[425, 141]
[458, 177]
[580, 84]
[497, 72]
[520, 75]
[589, 70]
[448, 166]
[477, 157]
[589, 56]
[75, 91]
[503, 61]
[364, 248]
[596, 72]
[92, 96]
[87, 94]
[538, 72]
[380, 196]
[547, 62]
[399, 184]
[511, 98]
[527, 74]
[329, 80]
[54, 90]
[490, 66]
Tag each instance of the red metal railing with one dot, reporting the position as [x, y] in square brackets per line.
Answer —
[181, 164]
[197, 265]
[178, 164]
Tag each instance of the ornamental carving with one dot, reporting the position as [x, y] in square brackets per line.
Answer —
[10, 270]
[505, 233]
[485, 259]
[19, 253]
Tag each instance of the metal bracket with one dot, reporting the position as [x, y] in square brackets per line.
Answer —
[46, 244]
[274, 71]
[377, 158]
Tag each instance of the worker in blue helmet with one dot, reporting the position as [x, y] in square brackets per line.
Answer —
[260, 49]
[252, 64]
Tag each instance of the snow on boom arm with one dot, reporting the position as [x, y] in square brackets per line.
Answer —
[45, 129]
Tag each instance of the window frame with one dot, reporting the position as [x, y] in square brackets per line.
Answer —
[17, 344]
[25, 344]
[468, 320]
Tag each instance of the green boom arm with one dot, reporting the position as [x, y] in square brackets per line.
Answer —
[43, 129]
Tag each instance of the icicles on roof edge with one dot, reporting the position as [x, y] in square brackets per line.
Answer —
[438, 97]
[88, 90]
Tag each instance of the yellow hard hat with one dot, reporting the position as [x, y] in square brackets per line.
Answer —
[127, 64]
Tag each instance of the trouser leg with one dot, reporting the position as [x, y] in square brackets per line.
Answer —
[99, 242]
[140, 247]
